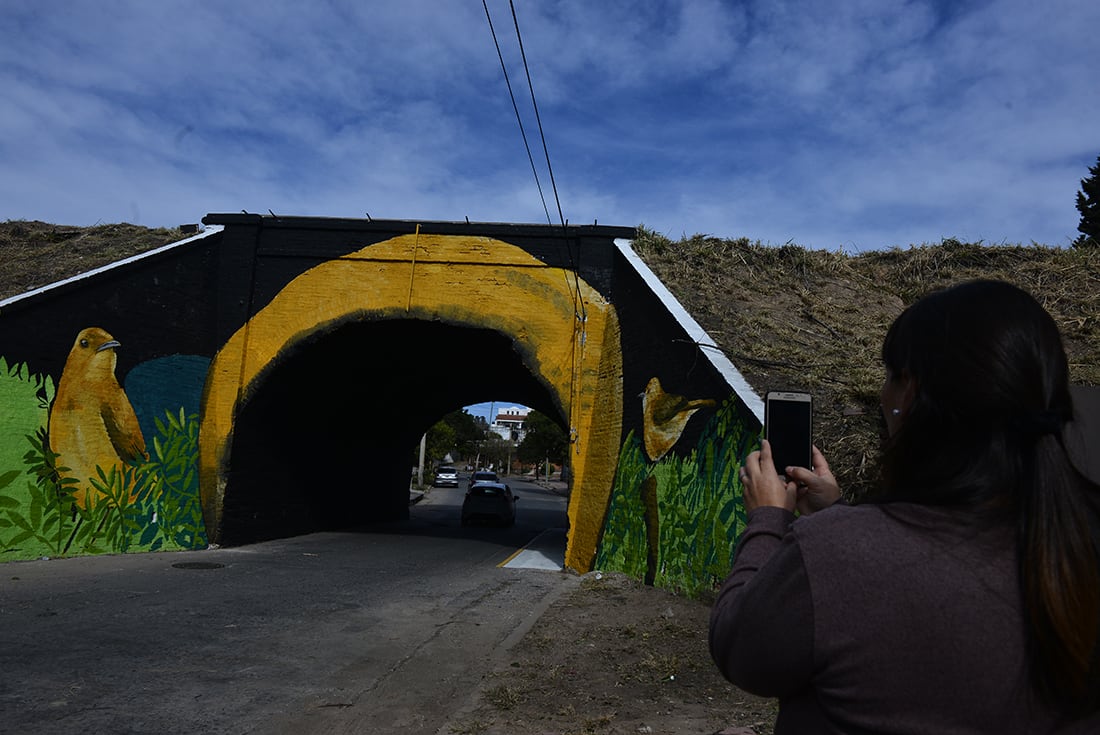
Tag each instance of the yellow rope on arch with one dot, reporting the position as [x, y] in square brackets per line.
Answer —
[412, 270]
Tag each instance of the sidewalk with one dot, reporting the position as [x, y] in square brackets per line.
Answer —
[557, 487]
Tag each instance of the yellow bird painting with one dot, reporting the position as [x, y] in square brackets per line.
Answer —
[664, 416]
[92, 423]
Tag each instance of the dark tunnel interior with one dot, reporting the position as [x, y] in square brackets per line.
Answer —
[326, 440]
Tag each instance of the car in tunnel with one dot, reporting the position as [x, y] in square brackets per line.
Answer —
[445, 477]
[489, 502]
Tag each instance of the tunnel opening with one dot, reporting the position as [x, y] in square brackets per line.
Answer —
[324, 442]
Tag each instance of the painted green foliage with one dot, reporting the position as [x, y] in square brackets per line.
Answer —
[24, 406]
[147, 506]
[698, 505]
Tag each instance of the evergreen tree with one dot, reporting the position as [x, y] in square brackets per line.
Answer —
[1088, 204]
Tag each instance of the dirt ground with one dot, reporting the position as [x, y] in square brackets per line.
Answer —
[614, 656]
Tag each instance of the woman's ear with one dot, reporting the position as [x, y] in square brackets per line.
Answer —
[898, 394]
[908, 391]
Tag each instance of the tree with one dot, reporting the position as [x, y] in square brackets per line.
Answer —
[1088, 204]
[440, 442]
[544, 439]
[496, 451]
[457, 433]
[469, 431]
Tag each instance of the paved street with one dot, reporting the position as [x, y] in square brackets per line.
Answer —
[384, 629]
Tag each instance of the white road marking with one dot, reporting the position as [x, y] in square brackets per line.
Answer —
[546, 551]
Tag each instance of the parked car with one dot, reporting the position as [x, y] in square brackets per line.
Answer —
[483, 476]
[490, 502]
[445, 477]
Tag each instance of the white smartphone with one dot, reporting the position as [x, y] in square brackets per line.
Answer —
[788, 427]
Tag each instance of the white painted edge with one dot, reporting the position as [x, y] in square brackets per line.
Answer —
[711, 351]
[545, 551]
[210, 230]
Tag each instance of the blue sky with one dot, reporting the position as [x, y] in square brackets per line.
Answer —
[490, 409]
[859, 125]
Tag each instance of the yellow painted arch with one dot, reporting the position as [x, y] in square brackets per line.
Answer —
[565, 331]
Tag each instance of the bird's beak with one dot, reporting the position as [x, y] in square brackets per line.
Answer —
[108, 345]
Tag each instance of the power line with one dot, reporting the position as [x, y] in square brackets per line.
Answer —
[538, 119]
[580, 313]
[578, 303]
[515, 107]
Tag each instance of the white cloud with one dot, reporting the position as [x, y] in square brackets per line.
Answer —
[864, 123]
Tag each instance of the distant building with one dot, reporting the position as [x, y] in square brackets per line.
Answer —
[509, 423]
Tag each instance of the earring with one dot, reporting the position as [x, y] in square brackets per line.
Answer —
[895, 411]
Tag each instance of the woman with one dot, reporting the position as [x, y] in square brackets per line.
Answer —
[966, 597]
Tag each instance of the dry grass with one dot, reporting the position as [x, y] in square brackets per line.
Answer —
[798, 319]
[35, 254]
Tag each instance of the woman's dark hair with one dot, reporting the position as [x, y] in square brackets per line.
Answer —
[984, 431]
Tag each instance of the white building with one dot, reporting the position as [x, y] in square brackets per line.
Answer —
[509, 423]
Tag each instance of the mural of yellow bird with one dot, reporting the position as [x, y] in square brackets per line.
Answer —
[664, 416]
[92, 423]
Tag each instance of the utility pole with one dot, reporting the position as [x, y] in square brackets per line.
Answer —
[420, 469]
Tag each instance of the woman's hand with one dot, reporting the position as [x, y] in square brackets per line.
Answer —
[815, 489]
[806, 490]
[761, 484]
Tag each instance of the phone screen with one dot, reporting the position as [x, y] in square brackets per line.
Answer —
[788, 427]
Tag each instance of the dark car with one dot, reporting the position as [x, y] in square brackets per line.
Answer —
[489, 502]
[483, 476]
[445, 477]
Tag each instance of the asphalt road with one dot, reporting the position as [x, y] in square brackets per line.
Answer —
[383, 629]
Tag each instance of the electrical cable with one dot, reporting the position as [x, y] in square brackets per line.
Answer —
[519, 118]
[580, 314]
[538, 119]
